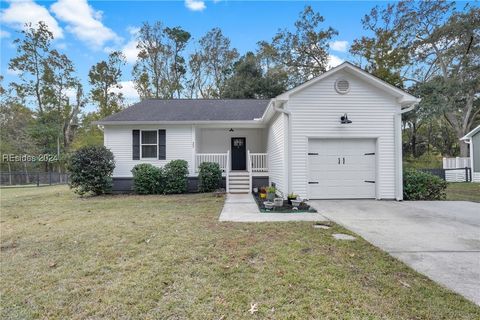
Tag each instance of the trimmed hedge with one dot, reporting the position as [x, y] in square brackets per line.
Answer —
[91, 170]
[419, 185]
[176, 176]
[209, 176]
[147, 179]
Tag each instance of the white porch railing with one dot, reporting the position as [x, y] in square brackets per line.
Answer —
[258, 162]
[220, 158]
[454, 163]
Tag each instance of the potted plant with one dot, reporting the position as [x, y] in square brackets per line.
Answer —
[278, 202]
[268, 205]
[296, 203]
[291, 196]
[271, 191]
[263, 193]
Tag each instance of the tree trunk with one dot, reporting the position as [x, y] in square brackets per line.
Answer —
[463, 149]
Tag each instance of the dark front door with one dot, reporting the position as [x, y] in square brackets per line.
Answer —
[239, 154]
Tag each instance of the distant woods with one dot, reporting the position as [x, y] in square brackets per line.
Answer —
[430, 49]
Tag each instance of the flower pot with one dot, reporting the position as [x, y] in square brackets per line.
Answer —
[268, 205]
[290, 200]
[263, 195]
[296, 203]
[270, 196]
[278, 202]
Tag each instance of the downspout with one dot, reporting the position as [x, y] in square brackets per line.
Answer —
[286, 153]
[399, 153]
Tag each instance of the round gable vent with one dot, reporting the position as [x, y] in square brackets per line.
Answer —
[342, 86]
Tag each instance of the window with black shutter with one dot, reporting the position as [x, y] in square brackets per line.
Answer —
[136, 144]
[162, 144]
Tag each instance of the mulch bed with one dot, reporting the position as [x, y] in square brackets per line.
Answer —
[286, 208]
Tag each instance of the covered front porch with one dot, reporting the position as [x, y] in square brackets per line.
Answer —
[240, 153]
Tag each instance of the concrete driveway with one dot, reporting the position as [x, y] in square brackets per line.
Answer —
[440, 239]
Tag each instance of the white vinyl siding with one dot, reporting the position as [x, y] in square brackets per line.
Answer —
[316, 111]
[276, 151]
[118, 139]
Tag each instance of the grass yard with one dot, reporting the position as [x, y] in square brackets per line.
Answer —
[168, 257]
[465, 191]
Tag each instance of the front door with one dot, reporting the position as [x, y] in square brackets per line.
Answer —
[239, 154]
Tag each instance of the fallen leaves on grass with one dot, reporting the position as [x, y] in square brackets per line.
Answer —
[253, 308]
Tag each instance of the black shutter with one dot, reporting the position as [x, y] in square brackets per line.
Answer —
[162, 144]
[136, 144]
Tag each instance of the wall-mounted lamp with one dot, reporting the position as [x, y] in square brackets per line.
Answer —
[344, 119]
[231, 130]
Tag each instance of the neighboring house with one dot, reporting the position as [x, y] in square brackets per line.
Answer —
[296, 141]
[473, 139]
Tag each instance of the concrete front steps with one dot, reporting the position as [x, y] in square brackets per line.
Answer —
[238, 182]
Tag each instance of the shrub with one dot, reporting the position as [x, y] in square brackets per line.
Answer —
[209, 176]
[91, 169]
[147, 179]
[419, 185]
[176, 173]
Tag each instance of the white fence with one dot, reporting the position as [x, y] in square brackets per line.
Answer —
[456, 163]
[259, 162]
[220, 158]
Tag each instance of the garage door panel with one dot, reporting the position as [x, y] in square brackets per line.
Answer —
[341, 168]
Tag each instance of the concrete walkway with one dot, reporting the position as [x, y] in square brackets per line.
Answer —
[242, 208]
[440, 239]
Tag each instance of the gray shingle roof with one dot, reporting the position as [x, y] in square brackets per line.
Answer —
[192, 110]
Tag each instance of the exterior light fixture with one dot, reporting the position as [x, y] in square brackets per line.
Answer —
[344, 119]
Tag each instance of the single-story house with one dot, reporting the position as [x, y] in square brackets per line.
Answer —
[335, 136]
[473, 139]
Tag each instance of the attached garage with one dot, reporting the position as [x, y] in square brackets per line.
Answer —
[343, 136]
[341, 168]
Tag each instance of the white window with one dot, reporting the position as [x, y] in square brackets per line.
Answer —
[149, 144]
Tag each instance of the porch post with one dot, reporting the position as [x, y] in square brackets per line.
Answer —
[227, 172]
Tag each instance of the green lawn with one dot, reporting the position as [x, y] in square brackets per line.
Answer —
[465, 191]
[168, 257]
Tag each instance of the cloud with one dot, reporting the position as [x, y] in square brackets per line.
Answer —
[129, 92]
[4, 34]
[333, 61]
[13, 72]
[21, 12]
[84, 22]
[340, 46]
[129, 49]
[195, 5]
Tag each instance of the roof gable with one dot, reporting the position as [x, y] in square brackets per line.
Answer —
[403, 97]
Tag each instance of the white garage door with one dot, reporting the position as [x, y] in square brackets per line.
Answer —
[341, 168]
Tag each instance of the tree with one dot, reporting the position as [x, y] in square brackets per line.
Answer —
[178, 41]
[383, 54]
[430, 47]
[246, 81]
[33, 52]
[104, 77]
[211, 65]
[46, 77]
[304, 52]
[15, 122]
[249, 80]
[442, 41]
[160, 68]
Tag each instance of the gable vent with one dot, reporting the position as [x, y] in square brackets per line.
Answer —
[342, 86]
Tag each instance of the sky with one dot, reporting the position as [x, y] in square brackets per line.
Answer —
[88, 30]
